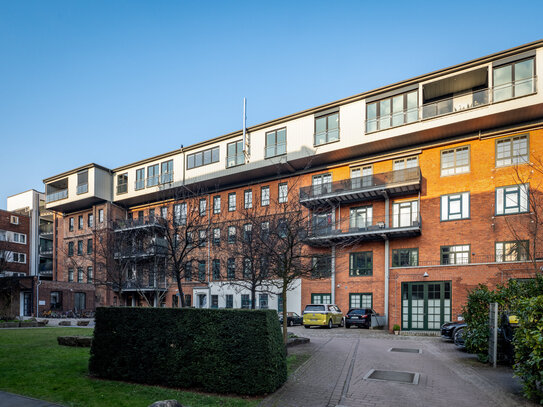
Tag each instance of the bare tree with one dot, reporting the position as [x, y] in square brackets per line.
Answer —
[4, 254]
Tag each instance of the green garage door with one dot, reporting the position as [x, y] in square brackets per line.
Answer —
[426, 305]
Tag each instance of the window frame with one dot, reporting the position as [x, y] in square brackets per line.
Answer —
[238, 154]
[275, 146]
[322, 296]
[404, 112]
[211, 150]
[455, 253]
[202, 207]
[232, 208]
[140, 179]
[282, 197]
[326, 132]
[361, 272]
[359, 295]
[397, 253]
[324, 269]
[216, 207]
[502, 211]
[262, 201]
[461, 197]
[519, 254]
[153, 180]
[122, 183]
[455, 168]
[248, 198]
[511, 158]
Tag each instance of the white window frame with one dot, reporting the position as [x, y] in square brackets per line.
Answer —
[248, 198]
[217, 204]
[518, 150]
[404, 163]
[459, 165]
[14, 220]
[458, 203]
[232, 202]
[512, 199]
[397, 220]
[265, 195]
[283, 192]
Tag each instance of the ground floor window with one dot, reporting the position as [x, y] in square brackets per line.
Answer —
[56, 300]
[280, 302]
[364, 300]
[188, 300]
[80, 300]
[229, 301]
[214, 301]
[321, 298]
[245, 301]
[175, 301]
[263, 301]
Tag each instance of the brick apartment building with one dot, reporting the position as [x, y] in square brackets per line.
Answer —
[414, 193]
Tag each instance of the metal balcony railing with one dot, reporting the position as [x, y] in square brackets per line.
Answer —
[147, 221]
[363, 227]
[56, 196]
[145, 284]
[466, 259]
[139, 252]
[458, 103]
[46, 229]
[370, 186]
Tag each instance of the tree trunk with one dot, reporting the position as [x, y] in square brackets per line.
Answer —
[285, 321]
[253, 297]
[181, 295]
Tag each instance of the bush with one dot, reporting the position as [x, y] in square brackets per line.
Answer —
[222, 351]
[528, 343]
[476, 311]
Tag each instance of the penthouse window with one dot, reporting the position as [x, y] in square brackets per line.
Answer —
[234, 154]
[455, 161]
[326, 128]
[455, 254]
[276, 143]
[202, 158]
[140, 179]
[82, 182]
[512, 251]
[511, 151]
[122, 183]
[152, 175]
[392, 111]
[514, 80]
[166, 172]
[512, 199]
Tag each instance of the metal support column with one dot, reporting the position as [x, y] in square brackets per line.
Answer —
[387, 253]
[333, 275]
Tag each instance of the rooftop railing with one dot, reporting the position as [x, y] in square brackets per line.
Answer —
[57, 195]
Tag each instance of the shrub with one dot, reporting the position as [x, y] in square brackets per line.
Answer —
[222, 351]
[528, 343]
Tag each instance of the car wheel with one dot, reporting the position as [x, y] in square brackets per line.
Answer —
[347, 326]
[289, 323]
[457, 335]
[342, 322]
[330, 325]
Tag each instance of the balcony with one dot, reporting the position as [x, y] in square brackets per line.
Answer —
[364, 230]
[46, 229]
[234, 160]
[150, 284]
[57, 195]
[393, 183]
[152, 181]
[122, 188]
[144, 222]
[46, 268]
[142, 252]
[166, 177]
[275, 150]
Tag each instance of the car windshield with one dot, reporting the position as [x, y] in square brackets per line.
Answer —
[314, 308]
[358, 311]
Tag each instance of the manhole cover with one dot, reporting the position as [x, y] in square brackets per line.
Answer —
[405, 350]
[393, 376]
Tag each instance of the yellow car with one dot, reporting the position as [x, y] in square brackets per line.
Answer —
[322, 315]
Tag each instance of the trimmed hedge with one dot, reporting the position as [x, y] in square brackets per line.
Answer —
[221, 351]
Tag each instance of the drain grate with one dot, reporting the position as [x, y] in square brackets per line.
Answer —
[405, 350]
[393, 376]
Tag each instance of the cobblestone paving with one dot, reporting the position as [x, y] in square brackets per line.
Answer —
[334, 375]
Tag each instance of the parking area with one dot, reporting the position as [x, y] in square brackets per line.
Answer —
[359, 367]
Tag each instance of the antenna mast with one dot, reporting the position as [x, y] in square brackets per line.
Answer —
[244, 126]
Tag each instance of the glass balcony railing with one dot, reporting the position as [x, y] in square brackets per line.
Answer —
[122, 188]
[166, 177]
[457, 103]
[152, 181]
[233, 160]
[82, 188]
[139, 184]
[46, 229]
[275, 149]
[57, 195]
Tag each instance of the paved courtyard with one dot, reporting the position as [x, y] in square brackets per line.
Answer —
[334, 375]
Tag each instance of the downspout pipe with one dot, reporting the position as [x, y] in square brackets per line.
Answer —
[387, 254]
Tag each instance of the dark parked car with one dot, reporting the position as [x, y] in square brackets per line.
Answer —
[458, 337]
[360, 317]
[449, 328]
[292, 319]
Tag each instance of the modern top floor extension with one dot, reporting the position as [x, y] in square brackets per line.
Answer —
[474, 97]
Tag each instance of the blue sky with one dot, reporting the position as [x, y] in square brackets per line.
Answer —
[113, 82]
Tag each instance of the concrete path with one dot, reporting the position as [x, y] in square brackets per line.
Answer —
[14, 400]
[335, 374]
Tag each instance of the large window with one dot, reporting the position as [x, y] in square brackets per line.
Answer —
[71, 224]
[403, 163]
[362, 177]
[56, 300]
[455, 161]
[122, 183]
[392, 112]
[217, 204]
[231, 234]
[321, 298]
[80, 301]
[70, 275]
[231, 268]
[514, 80]
[361, 217]
[248, 199]
[216, 237]
[361, 264]
[322, 266]
[235, 155]
[140, 178]
[152, 175]
[201, 270]
[201, 158]
[231, 202]
[326, 128]
[166, 174]
[263, 301]
[405, 257]
[265, 196]
[455, 254]
[455, 206]
[80, 247]
[512, 251]
[82, 182]
[405, 214]
[203, 207]
[276, 143]
[229, 301]
[283, 192]
[180, 213]
[364, 300]
[80, 274]
[89, 246]
[512, 199]
[245, 301]
[511, 151]
[89, 275]
[216, 269]
[70, 249]
[322, 184]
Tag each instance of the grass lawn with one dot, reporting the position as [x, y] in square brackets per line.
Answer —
[33, 364]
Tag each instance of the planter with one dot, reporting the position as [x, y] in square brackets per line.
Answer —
[77, 341]
[396, 332]
[9, 325]
[82, 323]
[31, 324]
[65, 323]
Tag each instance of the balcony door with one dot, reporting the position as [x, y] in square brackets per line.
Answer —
[322, 184]
[405, 214]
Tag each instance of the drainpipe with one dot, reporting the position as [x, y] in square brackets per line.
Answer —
[387, 251]
[38, 296]
[333, 274]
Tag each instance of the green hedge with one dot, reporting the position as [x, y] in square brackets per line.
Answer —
[529, 347]
[221, 351]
